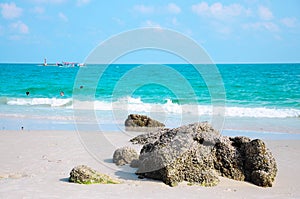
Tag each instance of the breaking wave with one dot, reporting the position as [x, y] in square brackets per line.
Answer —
[136, 105]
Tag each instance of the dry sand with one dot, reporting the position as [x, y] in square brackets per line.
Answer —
[36, 164]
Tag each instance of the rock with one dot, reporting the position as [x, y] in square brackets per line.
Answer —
[207, 178]
[125, 155]
[242, 159]
[199, 154]
[139, 122]
[135, 163]
[150, 137]
[84, 175]
[181, 154]
[228, 161]
[260, 165]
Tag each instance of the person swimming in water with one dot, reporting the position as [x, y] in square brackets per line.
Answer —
[27, 93]
[62, 93]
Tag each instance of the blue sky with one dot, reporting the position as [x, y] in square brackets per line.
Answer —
[230, 31]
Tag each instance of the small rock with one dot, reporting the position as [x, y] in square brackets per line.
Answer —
[125, 155]
[137, 122]
[85, 175]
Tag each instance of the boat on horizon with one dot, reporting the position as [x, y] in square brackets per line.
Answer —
[64, 64]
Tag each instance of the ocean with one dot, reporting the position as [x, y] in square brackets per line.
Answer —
[35, 97]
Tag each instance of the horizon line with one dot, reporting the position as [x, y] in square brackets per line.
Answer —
[161, 63]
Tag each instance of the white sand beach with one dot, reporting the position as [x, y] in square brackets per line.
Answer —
[36, 164]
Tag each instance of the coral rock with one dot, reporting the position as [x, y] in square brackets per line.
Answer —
[137, 122]
[199, 154]
[85, 175]
[184, 153]
[125, 155]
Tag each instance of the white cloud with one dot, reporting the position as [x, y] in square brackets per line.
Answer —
[49, 1]
[10, 10]
[38, 10]
[265, 13]
[20, 27]
[270, 26]
[147, 9]
[173, 8]
[289, 22]
[143, 9]
[200, 8]
[82, 2]
[218, 10]
[63, 17]
[149, 23]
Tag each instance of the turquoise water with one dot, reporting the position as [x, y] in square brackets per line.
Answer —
[251, 90]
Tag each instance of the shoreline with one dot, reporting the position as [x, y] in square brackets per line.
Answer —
[289, 126]
[40, 162]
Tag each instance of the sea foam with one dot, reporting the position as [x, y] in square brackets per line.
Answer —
[53, 102]
[136, 105]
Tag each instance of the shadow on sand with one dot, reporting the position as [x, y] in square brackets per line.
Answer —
[64, 180]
